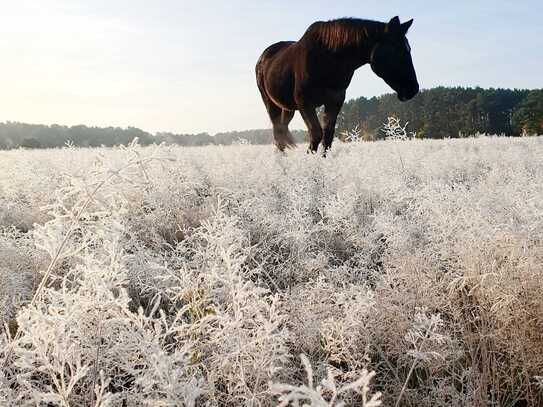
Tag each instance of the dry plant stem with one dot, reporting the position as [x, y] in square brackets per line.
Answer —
[405, 383]
[387, 361]
[404, 387]
[97, 360]
[401, 160]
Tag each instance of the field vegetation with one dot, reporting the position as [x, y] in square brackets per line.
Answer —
[403, 273]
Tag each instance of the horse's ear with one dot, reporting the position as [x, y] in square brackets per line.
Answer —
[393, 25]
[405, 26]
[394, 21]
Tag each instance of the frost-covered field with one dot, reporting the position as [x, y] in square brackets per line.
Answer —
[198, 276]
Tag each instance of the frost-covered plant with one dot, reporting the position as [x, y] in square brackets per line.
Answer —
[18, 266]
[55, 358]
[423, 332]
[327, 394]
[193, 275]
[353, 135]
[395, 131]
[238, 325]
[242, 141]
[60, 362]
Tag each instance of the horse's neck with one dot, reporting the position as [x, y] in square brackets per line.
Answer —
[365, 51]
[355, 57]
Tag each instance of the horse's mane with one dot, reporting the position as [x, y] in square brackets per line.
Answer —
[343, 32]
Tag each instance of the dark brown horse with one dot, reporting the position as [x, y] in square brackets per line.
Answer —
[317, 69]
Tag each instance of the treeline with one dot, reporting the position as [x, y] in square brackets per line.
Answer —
[259, 136]
[16, 135]
[449, 112]
[435, 113]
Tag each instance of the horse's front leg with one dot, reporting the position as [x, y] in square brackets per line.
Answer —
[313, 126]
[329, 118]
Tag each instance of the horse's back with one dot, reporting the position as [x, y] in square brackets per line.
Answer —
[272, 50]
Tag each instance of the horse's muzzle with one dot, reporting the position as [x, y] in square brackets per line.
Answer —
[408, 94]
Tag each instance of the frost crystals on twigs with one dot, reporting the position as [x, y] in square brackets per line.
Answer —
[327, 393]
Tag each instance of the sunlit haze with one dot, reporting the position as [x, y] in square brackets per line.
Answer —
[188, 66]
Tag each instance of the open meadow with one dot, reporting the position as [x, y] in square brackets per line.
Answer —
[396, 272]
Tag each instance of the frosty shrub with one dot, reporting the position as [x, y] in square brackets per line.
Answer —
[394, 130]
[353, 135]
[406, 274]
[316, 396]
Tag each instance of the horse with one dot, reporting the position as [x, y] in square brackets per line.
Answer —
[317, 69]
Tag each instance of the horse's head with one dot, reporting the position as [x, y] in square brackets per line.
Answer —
[391, 60]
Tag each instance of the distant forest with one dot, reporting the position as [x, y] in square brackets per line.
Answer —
[449, 112]
[434, 113]
[22, 135]
[16, 135]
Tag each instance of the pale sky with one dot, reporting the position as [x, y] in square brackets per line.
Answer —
[188, 66]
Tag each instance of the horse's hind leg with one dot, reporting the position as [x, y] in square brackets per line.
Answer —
[281, 133]
[280, 119]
